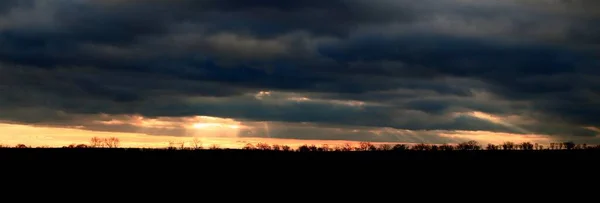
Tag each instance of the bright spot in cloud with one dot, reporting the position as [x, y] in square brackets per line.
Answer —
[260, 95]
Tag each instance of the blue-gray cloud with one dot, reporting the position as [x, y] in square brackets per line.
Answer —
[414, 65]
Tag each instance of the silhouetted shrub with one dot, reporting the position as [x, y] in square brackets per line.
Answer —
[304, 148]
[214, 147]
[249, 146]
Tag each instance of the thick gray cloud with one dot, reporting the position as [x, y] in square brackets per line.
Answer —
[383, 63]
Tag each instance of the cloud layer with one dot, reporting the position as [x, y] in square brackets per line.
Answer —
[527, 67]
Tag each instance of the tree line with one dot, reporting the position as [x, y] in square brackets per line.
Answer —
[195, 144]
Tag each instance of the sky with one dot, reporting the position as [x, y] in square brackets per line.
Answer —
[311, 71]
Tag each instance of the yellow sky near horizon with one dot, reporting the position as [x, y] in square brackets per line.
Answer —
[35, 136]
[38, 136]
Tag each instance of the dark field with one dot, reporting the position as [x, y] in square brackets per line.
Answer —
[162, 155]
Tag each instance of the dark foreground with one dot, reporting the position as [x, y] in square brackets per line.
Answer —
[128, 164]
[159, 155]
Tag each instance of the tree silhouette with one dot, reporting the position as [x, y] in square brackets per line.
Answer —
[249, 146]
[492, 147]
[421, 147]
[539, 146]
[347, 147]
[446, 147]
[365, 146]
[263, 146]
[526, 146]
[385, 147]
[214, 147]
[400, 147]
[21, 146]
[96, 142]
[508, 146]
[113, 142]
[469, 145]
[304, 148]
[569, 145]
[196, 143]
[286, 148]
[276, 147]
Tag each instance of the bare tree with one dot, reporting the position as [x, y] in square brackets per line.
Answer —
[172, 145]
[214, 147]
[196, 143]
[96, 142]
[263, 146]
[112, 142]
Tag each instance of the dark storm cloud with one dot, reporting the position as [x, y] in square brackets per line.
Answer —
[415, 65]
